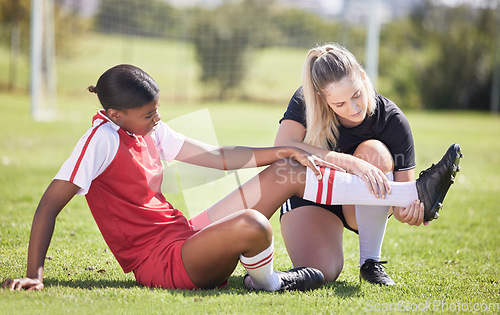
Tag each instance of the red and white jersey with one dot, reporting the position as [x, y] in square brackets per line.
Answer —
[120, 175]
[100, 144]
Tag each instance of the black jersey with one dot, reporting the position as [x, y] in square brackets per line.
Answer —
[387, 124]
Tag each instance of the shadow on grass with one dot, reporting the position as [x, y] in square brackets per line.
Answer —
[234, 287]
[342, 289]
[91, 284]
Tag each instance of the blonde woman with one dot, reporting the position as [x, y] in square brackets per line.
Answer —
[338, 116]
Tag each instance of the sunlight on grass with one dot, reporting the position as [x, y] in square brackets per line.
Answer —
[455, 259]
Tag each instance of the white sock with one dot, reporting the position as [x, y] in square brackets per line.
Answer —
[260, 269]
[372, 222]
[339, 188]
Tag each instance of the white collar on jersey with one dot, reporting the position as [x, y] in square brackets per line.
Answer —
[102, 116]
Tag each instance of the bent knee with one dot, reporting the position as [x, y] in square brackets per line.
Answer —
[255, 224]
[332, 271]
[376, 153]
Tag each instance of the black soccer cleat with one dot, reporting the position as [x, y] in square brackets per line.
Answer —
[301, 279]
[296, 279]
[434, 182]
[374, 272]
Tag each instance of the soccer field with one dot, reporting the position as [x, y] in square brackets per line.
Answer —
[451, 265]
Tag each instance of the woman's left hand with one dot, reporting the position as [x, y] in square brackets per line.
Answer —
[413, 214]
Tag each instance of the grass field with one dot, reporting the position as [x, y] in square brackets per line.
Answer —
[451, 265]
[454, 260]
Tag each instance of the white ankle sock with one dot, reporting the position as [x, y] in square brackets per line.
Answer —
[339, 188]
[372, 222]
[260, 269]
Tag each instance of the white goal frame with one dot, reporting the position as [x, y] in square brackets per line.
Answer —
[42, 61]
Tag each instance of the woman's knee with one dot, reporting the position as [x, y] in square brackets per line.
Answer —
[331, 268]
[376, 153]
[333, 271]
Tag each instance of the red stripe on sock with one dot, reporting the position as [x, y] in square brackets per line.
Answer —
[260, 263]
[257, 267]
[329, 191]
[84, 149]
[320, 186]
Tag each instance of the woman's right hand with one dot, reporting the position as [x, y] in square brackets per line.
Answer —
[375, 180]
[23, 283]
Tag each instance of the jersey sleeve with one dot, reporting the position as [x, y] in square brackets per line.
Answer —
[169, 142]
[399, 141]
[93, 153]
[296, 109]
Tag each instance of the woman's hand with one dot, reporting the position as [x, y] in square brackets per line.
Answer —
[23, 283]
[313, 162]
[374, 178]
[413, 214]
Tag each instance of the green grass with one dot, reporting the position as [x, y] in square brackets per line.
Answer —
[454, 260]
[273, 74]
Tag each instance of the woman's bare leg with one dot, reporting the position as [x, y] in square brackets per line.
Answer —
[313, 238]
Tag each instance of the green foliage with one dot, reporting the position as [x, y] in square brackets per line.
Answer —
[221, 39]
[152, 18]
[462, 38]
[400, 58]
[16, 15]
[225, 37]
[440, 57]
[303, 29]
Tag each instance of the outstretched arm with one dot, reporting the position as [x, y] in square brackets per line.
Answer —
[57, 195]
[237, 157]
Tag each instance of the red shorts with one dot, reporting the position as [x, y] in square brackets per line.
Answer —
[164, 269]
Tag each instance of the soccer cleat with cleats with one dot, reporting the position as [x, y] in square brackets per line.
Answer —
[434, 182]
[374, 272]
[296, 279]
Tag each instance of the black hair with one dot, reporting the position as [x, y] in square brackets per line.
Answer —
[125, 86]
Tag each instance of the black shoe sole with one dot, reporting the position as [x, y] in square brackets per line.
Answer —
[385, 283]
[438, 205]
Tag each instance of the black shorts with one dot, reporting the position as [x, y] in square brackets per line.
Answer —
[296, 202]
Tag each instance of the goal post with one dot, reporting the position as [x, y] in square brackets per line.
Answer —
[42, 61]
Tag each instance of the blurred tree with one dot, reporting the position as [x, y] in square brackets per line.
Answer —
[14, 14]
[299, 28]
[459, 72]
[401, 55]
[224, 37]
[15, 18]
[152, 18]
